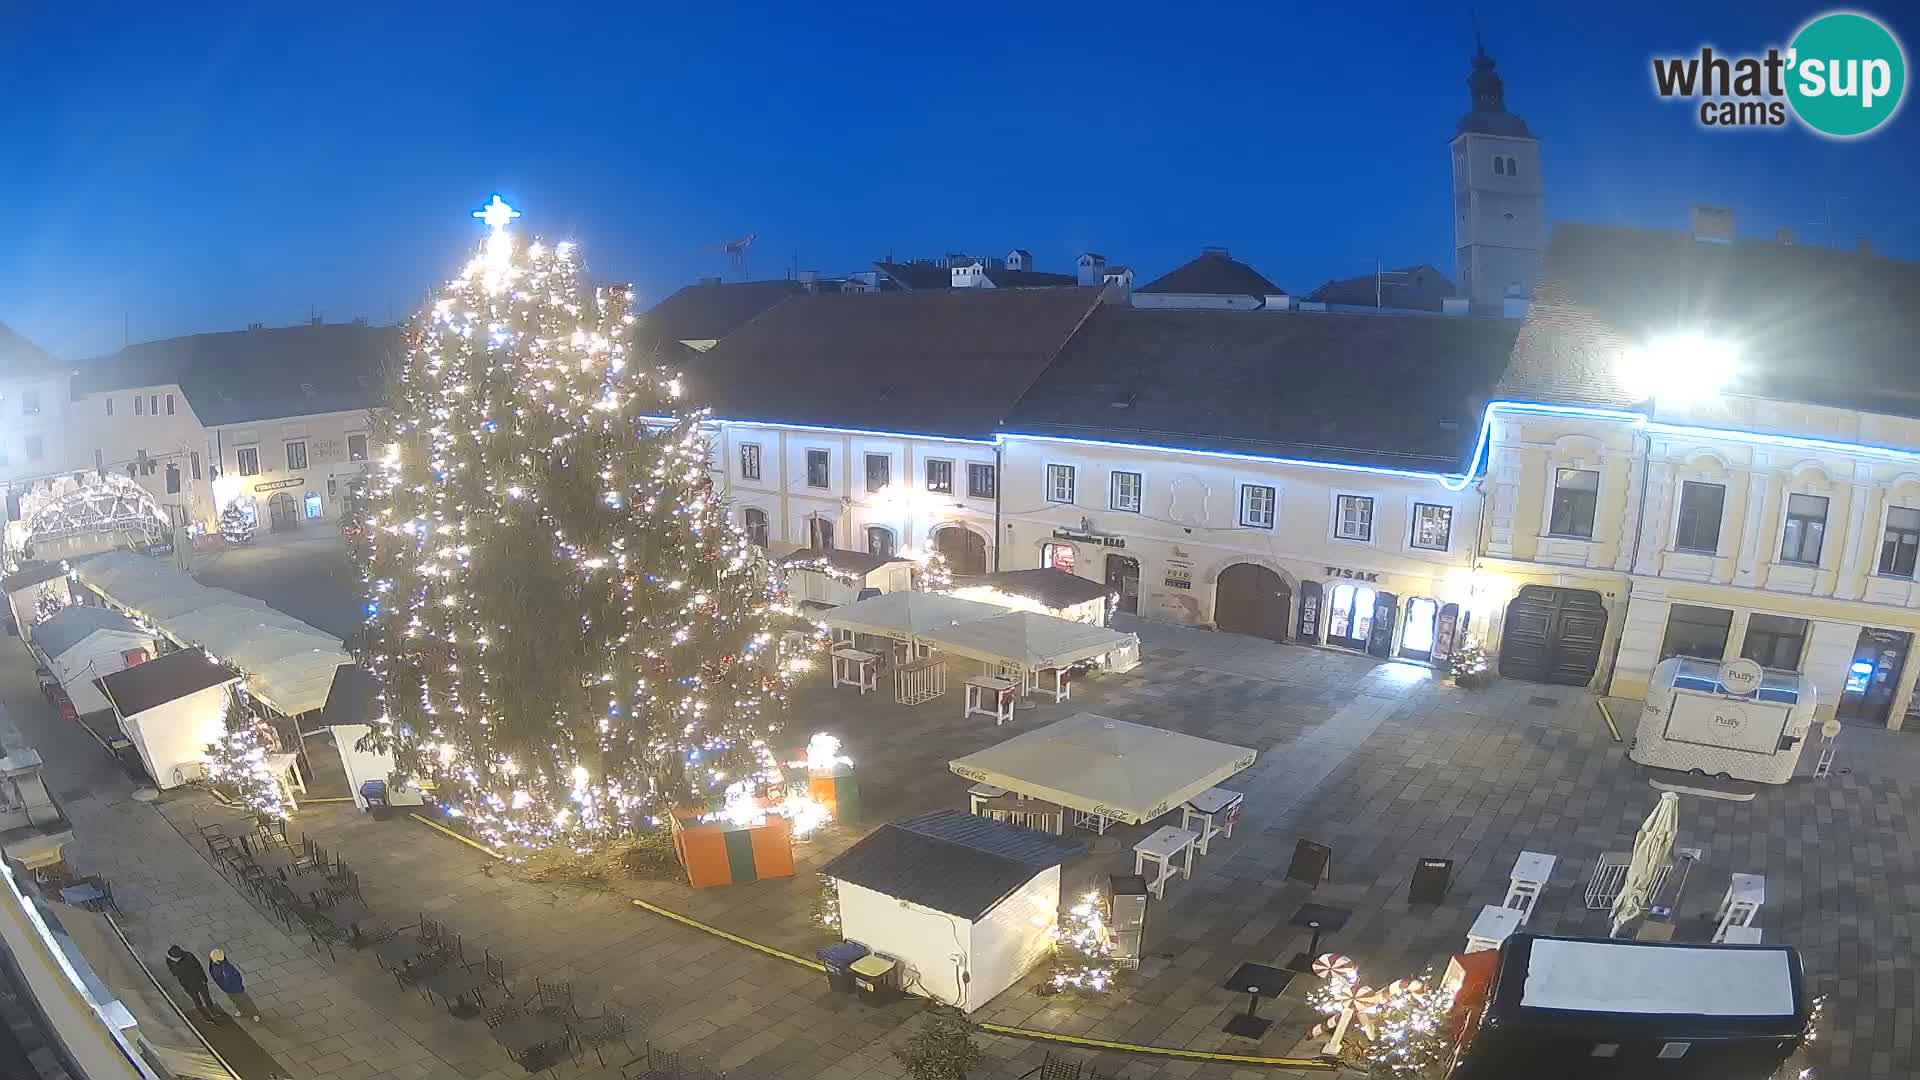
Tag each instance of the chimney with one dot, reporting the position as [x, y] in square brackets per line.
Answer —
[709, 281]
[807, 277]
[1514, 304]
[1020, 259]
[315, 321]
[1455, 305]
[1278, 302]
[1864, 247]
[256, 326]
[1217, 251]
[1093, 268]
[1713, 224]
[1785, 235]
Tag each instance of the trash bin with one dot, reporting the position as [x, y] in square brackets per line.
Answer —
[838, 958]
[873, 980]
[375, 792]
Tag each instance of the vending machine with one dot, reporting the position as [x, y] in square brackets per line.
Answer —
[1127, 901]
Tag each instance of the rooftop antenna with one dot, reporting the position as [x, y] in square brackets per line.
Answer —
[1479, 46]
[737, 252]
[1381, 280]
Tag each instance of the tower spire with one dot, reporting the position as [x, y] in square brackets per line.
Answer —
[1479, 46]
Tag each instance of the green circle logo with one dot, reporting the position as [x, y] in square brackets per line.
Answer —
[1847, 74]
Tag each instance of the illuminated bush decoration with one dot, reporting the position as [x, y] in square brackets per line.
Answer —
[236, 525]
[1083, 952]
[237, 764]
[1470, 664]
[48, 603]
[1399, 1032]
[570, 635]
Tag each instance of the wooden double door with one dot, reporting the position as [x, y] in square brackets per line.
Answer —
[1553, 635]
[1251, 599]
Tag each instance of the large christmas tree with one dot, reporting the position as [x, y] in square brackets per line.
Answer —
[570, 634]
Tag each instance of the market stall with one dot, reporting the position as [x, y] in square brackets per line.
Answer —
[1047, 591]
[906, 616]
[171, 709]
[81, 644]
[1108, 770]
[1733, 719]
[836, 578]
[964, 906]
[1037, 649]
[23, 589]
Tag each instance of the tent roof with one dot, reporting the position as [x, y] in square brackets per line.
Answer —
[907, 614]
[1053, 587]
[32, 574]
[1027, 638]
[145, 686]
[76, 623]
[950, 861]
[289, 664]
[1128, 772]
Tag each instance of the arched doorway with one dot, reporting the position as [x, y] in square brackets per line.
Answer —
[282, 512]
[1123, 578]
[1251, 599]
[965, 550]
[1553, 635]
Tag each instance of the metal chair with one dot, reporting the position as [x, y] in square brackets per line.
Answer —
[496, 970]
[105, 902]
[597, 1031]
[554, 1000]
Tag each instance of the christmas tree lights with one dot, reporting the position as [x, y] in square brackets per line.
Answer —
[570, 635]
[1400, 1032]
[236, 524]
[237, 761]
[1083, 951]
[49, 602]
[1470, 665]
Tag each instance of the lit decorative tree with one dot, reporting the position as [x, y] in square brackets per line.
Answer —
[570, 635]
[237, 761]
[1470, 664]
[48, 602]
[236, 525]
[1082, 950]
[931, 571]
[1401, 1032]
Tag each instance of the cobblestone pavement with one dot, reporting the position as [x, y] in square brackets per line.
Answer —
[1378, 761]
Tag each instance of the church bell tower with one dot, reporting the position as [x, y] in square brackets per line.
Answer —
[1499, 212]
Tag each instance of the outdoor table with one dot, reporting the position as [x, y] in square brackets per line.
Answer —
[1211, 803]
[274, 861]
[1744, 896]
[982, 793]
[1530, 873]
[1256, 981]
[856, 668]
[1162, 847]
[347, 915]
[1062, 685]
[991, 695]
[1494, 926]
[524, 1034]
[1319, 919]
[400, 951]
[82, 894]
[1741, 935]
[455, 985]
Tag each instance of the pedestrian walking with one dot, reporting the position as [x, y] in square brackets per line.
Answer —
[227, 977]
[192, 976]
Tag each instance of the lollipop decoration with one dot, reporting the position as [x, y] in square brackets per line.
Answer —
[1331, 966]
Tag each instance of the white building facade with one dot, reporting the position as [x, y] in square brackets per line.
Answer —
[292, 470]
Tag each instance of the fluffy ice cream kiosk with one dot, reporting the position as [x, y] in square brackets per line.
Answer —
[1732, 720]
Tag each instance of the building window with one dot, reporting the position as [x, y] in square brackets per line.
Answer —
[109, 406]
[939, 476]
[153, 404]
[1125, 492]
[1432, 526]
[173, 479]
[749, 461]
[879, 472]
[756, 521]
[819, 534]
[1257, 502]
[36, 445]
[1697, 631]
[314, 509]
[296, 455]
[139, 405]
[169, 404]
[819, 468]
[193, 459]
[981, 481]
[246, 459]
[1902, 540]
[1576, 492]
[880, 541]
[1060, 483]
[1700, 507]
[356, 448]
[1499, 165]
[30, 403]
[1354, 519]
[1806, 529]
[333, 485]
[99, 461]
[1774, 641]
[1057, 557]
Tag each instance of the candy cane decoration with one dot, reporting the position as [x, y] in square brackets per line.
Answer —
[1331, 966]
[1353, 1001]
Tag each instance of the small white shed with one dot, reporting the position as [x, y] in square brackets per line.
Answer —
[963, 904]
[84, 643]
[171, 709]
[833, 578]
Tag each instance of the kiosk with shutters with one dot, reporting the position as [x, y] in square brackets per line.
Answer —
[1732, 721]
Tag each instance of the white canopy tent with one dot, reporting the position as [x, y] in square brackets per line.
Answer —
[907, 615]
[1028, 640]
[1123, 772]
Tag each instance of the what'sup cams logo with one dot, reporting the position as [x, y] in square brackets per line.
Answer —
[1843, 76]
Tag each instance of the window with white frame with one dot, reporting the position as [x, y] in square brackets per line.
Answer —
[1353, 517]
[940, 476]
[356, 448]
[109, 406]
[296, 455]
[1900, 542]
[749, 461]
[246, 459]
[754, 520]
[1576, 496]
[1060, 483]
[981, 481]
[1806, 529]
[819, 469]
[1701, 507]
[169, 404]
[1257, 502]
[879, 472]
[1124, 492]
[880, 542]
[1432, 526]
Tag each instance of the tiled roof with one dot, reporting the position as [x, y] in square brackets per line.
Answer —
[171, 677]
[948, 362]
[1408, 288]
[926, 276]
[1213, 273]
[1403, 391]
[245, 375]
[708, 311]
[76, 623]
[950, 861]
[1808, 324]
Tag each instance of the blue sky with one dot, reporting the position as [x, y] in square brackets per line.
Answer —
[170, 174]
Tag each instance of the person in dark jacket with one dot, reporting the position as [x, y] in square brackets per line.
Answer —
[227, 977]
[192, 976]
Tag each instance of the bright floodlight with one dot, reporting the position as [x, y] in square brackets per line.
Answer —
[1679, 367]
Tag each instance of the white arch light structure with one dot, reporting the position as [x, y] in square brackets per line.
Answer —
[89, 503]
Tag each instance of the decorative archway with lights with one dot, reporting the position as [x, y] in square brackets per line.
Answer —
[88, 503]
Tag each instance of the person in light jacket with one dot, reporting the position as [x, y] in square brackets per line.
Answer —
[192, 978]
[227, 977]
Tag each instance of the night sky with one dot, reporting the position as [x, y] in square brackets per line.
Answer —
[169, 174]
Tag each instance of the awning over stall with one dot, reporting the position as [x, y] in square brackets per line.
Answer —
[1028, 639]
[1128, 772]
[907, 614]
